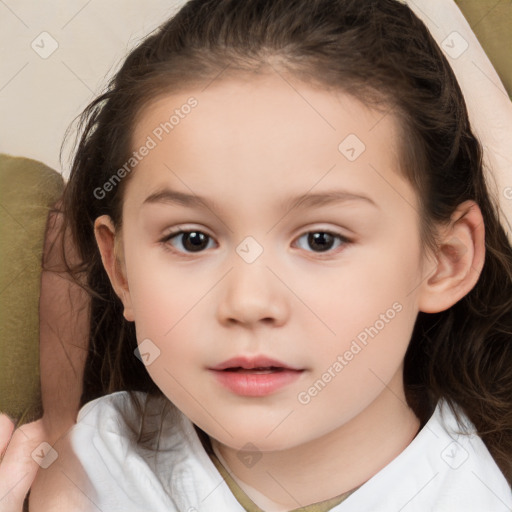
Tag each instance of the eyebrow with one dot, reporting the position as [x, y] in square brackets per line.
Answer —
[304, 201]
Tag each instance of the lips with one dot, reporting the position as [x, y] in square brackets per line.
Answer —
[258, 364]
[255, 376]
[256, 371]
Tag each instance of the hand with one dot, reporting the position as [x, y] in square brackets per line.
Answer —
[17, 468]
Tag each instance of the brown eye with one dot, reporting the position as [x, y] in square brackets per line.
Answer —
[190, 241]
[323, 241]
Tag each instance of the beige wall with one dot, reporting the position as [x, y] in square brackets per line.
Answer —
[39, 96]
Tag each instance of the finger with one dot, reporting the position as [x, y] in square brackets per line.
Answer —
[18, 469]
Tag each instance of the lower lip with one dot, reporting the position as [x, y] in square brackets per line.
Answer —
[256, 384]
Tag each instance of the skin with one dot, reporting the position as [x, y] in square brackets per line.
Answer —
[64, 334]
[249, 146]
[17, 468]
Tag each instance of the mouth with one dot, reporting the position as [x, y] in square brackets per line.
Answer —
[256, 376]
[254, 364]
[257, 371]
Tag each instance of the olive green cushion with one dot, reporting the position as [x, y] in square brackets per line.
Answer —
[28, 189]
[491, 21]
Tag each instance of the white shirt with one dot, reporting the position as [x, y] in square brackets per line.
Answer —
[439, 471]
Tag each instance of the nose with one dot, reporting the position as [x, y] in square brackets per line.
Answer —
[252, 294]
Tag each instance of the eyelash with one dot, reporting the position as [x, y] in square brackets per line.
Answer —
[166, 245]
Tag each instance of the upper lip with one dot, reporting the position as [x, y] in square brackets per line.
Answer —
[252, 362]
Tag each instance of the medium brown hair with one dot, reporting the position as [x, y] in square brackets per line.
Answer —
[379, 52]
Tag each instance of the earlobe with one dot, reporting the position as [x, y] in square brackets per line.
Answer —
[459, 261]
[111, 255]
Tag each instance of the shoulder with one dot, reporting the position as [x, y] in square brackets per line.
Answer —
[467, 471]
[107, 410]
[117, 429]
[462, 474]
[98, 461]
[446, 468]
[158, 464]
[133, 421]
[64, 484]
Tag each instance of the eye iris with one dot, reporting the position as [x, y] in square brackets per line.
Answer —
[194, 240]
[322, 240]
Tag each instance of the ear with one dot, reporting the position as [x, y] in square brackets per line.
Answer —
[110, 246]
[458, 261]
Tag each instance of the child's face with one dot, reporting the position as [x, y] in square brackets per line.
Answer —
[258, 285]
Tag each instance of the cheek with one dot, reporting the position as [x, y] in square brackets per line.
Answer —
[368, 291]
[162, 293]
[372, 317]
[167, 305]
[170, 320]
[363, 362]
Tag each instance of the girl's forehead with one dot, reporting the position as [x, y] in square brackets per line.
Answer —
[292, 137]
[267, 98]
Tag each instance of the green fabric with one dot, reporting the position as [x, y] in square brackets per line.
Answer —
[250, 506]
[28, 189]
[491, 21]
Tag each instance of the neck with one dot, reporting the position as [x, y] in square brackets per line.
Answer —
[281, 480]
